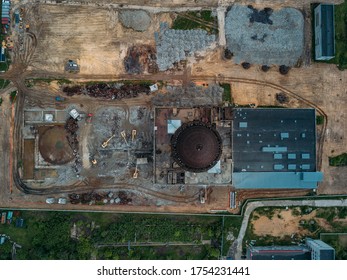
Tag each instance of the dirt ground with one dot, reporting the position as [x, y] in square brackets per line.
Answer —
[93, 37]
[284, 223]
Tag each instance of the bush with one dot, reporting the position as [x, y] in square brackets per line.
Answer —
[319, 120]
[340, 160]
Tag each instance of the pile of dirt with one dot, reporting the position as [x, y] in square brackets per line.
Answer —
[108, 91]
[138, 20]
[141, 59]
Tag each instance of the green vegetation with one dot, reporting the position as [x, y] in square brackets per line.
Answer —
[4, 83]
[341, 35]
[13, 96]
[319, 120]
[47, 235]
[340, 160]
[3, 66]
[227, 92]
[1, 101]
[31, 82]
[338, 242]
[196, 20]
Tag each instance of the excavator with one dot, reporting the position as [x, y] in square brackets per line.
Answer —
[136, 173]
[123, 134]
[104, 144]
[133, 135]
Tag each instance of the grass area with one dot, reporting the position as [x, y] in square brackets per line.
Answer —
[46, 235]
[341, 35]
[32, 82]
[340, 160]
[13, 96]
[227, 92]
[338, 242]
[4, 83]
[196, 20]
[340, 58]
[319, 120]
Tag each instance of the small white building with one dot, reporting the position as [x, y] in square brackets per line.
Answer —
[73, 113]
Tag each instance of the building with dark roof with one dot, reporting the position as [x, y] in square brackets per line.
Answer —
[312, 250]
[196, 146]
[278, 253]
[274, 148]
[324, 31]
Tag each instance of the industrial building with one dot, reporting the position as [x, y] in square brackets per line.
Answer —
[324, 31]
[274, 148]
[247, 148]
[312, 250]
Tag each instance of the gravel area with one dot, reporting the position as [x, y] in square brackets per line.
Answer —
[136, 19]
[265, 37]
[175, 45]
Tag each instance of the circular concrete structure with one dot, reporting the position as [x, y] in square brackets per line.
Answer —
[54, 147]
[196, 146]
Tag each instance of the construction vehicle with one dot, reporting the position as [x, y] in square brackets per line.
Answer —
[133, 135]
[3, 218]
[123, 134]
[104, 144]
[59, 98]
[27, 27]
[136, 173]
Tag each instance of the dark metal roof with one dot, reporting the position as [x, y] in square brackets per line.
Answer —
[327, 30]
[274, 140]
[279, 253]
[196, 146]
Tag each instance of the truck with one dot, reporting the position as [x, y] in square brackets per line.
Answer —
[3, 218]
[59, 98]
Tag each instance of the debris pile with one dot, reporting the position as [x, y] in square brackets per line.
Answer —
[281, 97]
[71, 128]
[138, 20]
[174, 46]
[121, 198]
[141, 59]
[177, 96]
[108, 91]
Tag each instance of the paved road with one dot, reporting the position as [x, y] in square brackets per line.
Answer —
[153, 244]
[235, 250]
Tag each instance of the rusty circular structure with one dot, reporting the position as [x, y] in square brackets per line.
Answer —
[196, 146]
[54, 146]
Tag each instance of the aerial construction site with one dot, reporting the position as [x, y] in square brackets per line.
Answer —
[186, 106]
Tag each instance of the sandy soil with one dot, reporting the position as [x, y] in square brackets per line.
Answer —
[286, 224]
[93, 37]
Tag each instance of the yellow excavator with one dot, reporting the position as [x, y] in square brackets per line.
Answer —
[104, 145]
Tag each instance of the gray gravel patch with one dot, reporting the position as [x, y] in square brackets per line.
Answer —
[265, 37]
[136, 19]
[176, 45]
